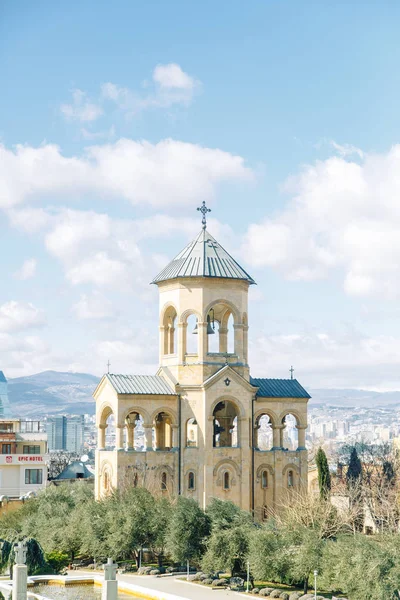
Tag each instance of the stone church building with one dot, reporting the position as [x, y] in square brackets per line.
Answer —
[202, 426]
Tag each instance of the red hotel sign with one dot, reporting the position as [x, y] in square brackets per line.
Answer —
[9, 459]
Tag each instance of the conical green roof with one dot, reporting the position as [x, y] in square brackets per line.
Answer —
[204, 257]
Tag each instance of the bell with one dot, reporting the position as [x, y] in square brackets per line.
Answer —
[210, 329]
[195, 330]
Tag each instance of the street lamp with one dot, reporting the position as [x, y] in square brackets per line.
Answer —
[315, 584]
[248, 576]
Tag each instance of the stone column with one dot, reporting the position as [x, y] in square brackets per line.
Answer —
[101, 437]
[276, 436]
[119, 437]
[20, 573]
[301, 431]
[175, 437]
[130, 428]
[182, 333]
[223, 339]
[203, 342]
[238, 329]
[110, 583]
[148, 436]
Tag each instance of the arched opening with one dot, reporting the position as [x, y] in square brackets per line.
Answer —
[191, 433]
[135, 439]
[164, 482]
[290, 479]
[289, 433]
[213, 336]
[163, 431]
[226, 480]
[225, 425]
[264, 433]
[110, 432]
[192, 337]
[106, 482]
[169, 331]
[191, 481]
[220, 327]
[264, 479]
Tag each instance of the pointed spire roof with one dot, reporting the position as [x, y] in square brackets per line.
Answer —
[204, 257]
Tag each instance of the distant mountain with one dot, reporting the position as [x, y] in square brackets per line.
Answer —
[52, 392]
[353, 398]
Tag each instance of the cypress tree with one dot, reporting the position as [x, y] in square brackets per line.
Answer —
[324, 476]
[354, 470]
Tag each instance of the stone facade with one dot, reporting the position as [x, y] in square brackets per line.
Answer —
[203, 428]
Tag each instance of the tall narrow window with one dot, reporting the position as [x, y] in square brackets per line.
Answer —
[164, 481]
[264, 513]
[191, 481]
[264, 479]
[135, 480]
[290, 478]
[226, 480]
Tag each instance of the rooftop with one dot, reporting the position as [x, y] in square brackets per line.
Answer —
[2, 377]
[140, 384]
[279, 388]
[204, 257]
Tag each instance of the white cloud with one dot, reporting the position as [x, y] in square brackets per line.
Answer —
[343, 216]
[339, 359]
[164, 174]
[347, 149]
[94, 306]
[172, 76]
[171, 86]
[28, 269]
[81, 108]
[16, 316]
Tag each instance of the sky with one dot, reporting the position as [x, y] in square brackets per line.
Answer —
[118, 119]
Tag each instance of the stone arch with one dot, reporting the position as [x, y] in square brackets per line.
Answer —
[164, 310]
[269, 413]
[191, 433]
[189, 320]
[226, 465]
[168, 330]
[106, 476]
[291, 467]
[164, 409]
[134, 409]
[298, 416]
[104, 413]
[227, 398]
[262, 468]
[226, 429]
[186, 314]
[228, 304]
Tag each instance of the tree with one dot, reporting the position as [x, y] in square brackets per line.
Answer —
[188, 530]
[354, 469]
[324, 477]
[268, 556]
[228, 545]
[129, 522]
[160, 518]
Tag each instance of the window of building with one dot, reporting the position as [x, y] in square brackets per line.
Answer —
[226, 480]
[6, 427]
[33, 476]
[290, 478]
[264, 479]
[164, 481]
[191, 481]
[6, 449]
[31, 450]
[264, 513]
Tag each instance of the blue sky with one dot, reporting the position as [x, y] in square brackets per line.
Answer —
[119, 119]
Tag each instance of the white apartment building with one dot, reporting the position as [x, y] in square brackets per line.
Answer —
[23, 456]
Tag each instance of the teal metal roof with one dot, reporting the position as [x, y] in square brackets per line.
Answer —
[279, 388]
[76, 470]
[2, 377]
[204, 257]
[140, 384]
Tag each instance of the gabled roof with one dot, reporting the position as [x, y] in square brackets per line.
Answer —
[204, 257]
[2, 377]
[140, 384]
[279, 388]
[75, 469]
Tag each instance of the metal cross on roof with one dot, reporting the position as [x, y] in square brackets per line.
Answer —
[108, 366]
[204, 210]
[291, 372]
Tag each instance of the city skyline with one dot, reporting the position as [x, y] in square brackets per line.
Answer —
[119, 139]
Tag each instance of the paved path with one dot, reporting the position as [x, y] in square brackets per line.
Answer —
[169, 585]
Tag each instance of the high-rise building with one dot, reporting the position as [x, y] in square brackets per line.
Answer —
[56, 432]
[5, 411]
[65, 433]
[74, 433]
